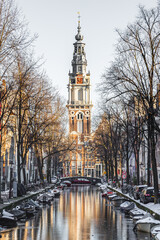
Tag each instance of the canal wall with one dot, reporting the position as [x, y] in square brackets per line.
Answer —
[13, 202]
[138, 204]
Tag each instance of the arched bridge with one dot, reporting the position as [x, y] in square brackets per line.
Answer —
[82, 180]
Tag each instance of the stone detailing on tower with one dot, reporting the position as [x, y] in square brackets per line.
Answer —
[79, 106]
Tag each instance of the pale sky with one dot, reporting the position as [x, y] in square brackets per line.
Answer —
[55, 21]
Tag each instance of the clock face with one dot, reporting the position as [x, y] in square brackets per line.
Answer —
[79, 80]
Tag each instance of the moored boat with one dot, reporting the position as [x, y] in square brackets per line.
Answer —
[56, 192]
[7, 221]
[136, 214]
[146, 223]
[68, 183]
[112, 196]
[17, 213]
[127, 206]
[35, 204]
[44, 198]
[155, 230]
[157, 237]
[117, 201]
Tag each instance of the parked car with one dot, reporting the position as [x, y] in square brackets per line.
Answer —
[147, 195]
[137, 190]
[158, 196]
[54, 179]
[109, 181]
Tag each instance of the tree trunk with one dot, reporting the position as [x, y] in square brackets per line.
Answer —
[127, 152]
[24, 175]
[106, 167]
[19, 134]
[39, 164]
[49, 169]
[149, 155]
[116, 174]
[153, 158]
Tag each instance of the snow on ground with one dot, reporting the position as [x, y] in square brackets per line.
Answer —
[151, 206]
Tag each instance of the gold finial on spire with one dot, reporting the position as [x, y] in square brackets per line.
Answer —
[78, 17]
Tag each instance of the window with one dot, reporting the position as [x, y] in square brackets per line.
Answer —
[72, 124]
[72, 81]
[79, 68]
[88, 126]
[80, 116]
[72, 95]
[80, 94]
[80, 122]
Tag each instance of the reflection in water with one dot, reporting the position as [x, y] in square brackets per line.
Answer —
[79, 214]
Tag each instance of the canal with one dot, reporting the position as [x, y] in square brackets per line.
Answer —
[79, 214]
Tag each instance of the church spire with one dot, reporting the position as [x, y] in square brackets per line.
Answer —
[79, 37]
[79, 61]
[79, 105]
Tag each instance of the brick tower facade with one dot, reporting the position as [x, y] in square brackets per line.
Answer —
[79, 108]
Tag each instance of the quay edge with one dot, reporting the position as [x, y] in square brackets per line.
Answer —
[139, 205]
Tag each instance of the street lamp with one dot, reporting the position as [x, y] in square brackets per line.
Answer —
[141, 168]
[11, 178]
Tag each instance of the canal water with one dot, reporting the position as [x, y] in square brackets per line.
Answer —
[79, 214]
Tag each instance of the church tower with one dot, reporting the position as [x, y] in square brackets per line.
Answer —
[79, 107]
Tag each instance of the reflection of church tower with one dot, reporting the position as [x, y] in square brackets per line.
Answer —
[79, 106]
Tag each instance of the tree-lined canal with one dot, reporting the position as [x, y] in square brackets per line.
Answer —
[79, 213]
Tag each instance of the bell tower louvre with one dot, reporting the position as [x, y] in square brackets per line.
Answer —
[79, 108]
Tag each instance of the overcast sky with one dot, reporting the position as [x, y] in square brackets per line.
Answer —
[55, 21]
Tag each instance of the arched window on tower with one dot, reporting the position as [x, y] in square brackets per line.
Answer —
[88, 125]
[72, 96]
[80, 94]
[80, 122]
[72, 126]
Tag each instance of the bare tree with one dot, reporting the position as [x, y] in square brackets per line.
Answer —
[135, 72]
